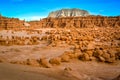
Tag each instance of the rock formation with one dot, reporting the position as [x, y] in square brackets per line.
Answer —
[77, 22]
[63, 22]
[11, 23]
[68, 13]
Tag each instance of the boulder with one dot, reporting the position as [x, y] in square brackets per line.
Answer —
[102, 59]
[85, 57]
[32, 62]
[65, 58]
[106, 55]
[97, 53]
[45, 63]
[55, 61]
[68, 69]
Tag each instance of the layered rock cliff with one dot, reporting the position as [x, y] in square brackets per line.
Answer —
[11, 23]
[68, 13]
[63, 22]
[77, 22]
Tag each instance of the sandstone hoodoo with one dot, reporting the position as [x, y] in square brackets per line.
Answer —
[69, 13]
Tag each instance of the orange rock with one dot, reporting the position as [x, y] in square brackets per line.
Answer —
[55, 61]
[1, 61]
[106, 55]
[33, 62]
[65, 58]
[90, 53]
[102, 59]
[85, 57]
[45, 63]
[68, 69]
[97, 53]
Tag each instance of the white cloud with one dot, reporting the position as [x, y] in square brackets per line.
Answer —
[94, 13]
[29, 18]
[99, 12]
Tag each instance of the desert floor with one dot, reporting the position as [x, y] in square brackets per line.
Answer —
[14, 55]
[75, 69]
[80, 71]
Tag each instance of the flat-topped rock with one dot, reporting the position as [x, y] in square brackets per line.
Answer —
[69, 13]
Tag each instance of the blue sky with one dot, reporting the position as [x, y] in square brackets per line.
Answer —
[36, 9]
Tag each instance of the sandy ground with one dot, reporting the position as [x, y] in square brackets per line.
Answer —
[80, 71]
[18, 53]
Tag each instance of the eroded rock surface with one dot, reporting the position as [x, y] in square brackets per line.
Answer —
[68, 13]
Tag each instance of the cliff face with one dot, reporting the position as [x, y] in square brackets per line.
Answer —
[10, 23]
[68, 13]
[63, 22]
[77, 22]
